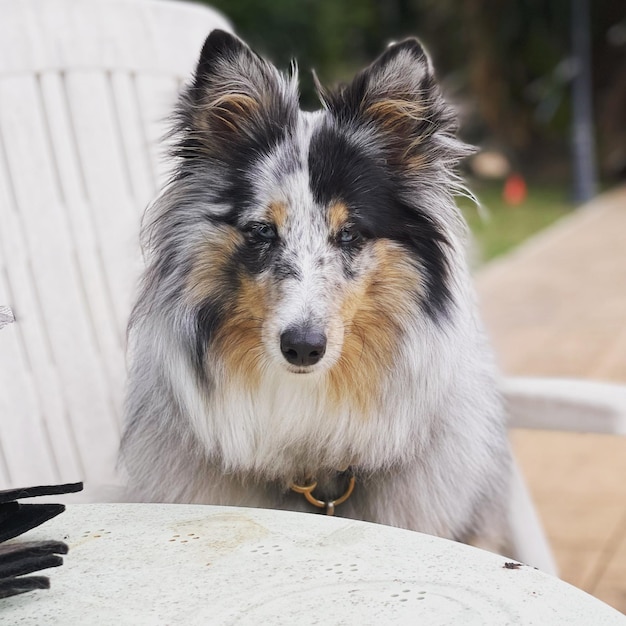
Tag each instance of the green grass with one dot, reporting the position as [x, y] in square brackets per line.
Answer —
[505, 226]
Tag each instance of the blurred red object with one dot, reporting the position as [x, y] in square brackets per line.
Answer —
[515, 190]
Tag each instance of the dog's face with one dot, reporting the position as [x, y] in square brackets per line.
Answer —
[309, 243]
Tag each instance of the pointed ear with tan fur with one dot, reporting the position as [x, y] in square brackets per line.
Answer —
[398, 96]
[236, 96]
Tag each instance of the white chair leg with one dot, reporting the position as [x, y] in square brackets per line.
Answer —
[529, 542]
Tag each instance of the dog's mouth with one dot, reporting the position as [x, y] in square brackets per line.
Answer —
[301, 370]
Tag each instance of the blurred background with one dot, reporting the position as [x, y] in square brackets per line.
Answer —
[509, 67]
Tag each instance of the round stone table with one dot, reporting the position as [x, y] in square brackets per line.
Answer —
[188, 564]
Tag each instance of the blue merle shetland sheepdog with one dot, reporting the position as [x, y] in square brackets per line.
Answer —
[306, 324]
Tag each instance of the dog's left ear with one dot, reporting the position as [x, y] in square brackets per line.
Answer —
[399, 96]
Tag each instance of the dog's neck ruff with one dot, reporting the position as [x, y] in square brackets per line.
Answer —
[328, 505]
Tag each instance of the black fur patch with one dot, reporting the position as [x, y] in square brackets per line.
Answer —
[209, 318]
[212, 312]
[339, 170]
[255, 257]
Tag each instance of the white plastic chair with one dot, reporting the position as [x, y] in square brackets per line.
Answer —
[85, 90]
[85, 87]
[560, 405]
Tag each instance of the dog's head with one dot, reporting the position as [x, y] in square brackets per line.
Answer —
[308, 243]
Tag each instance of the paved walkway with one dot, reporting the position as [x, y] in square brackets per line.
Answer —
[557, 307]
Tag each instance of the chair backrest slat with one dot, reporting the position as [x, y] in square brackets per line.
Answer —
[56, 271]
[154, 96]
[109, 198]
[137, 150]
[85, 92]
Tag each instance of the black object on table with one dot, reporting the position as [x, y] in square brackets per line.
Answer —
[21, 558]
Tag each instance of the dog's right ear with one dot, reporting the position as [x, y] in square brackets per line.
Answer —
[236, 95]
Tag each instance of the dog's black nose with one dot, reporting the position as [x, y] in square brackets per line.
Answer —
[303, 346]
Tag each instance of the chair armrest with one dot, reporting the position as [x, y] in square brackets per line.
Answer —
[528, 541]
[565, 405]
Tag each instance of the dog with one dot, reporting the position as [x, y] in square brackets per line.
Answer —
[306, 335]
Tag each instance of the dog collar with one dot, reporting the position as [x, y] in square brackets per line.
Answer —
[328, 505]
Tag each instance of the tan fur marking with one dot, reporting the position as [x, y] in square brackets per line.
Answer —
[372, 315]
[415, 161]
[400, 116]
[277, 214]
[337, 216]
[395, 114]
[206, 277]
[240, 339]
[227, 112]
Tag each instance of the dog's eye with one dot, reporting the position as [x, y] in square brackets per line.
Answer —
[348, 235]
[262, 232]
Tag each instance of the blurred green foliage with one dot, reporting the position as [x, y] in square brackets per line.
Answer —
[499, 226]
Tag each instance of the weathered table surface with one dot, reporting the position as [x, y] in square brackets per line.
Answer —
[187, 564]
